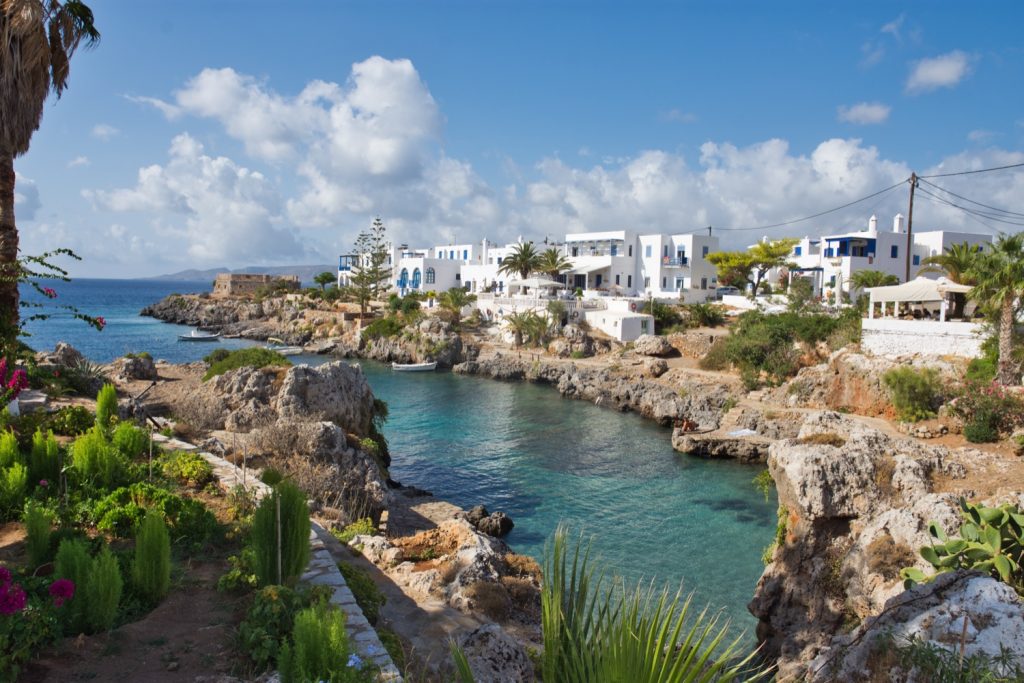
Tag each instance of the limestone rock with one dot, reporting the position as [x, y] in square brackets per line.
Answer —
[494, 657]
[335, 391]
[135, 367]
[475, 514]
[656, 367]
[65, 356]
[496, 524]
[652, 345]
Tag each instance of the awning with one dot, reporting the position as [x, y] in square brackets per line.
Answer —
[536, 283]
[584, 270]
[919, 289]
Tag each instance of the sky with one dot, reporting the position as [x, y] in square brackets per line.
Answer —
[231, 133]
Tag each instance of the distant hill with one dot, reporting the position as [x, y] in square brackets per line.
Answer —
[305, 273]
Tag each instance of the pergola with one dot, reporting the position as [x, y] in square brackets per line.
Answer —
[918, 290]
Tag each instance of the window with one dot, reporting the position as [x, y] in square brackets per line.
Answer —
[647, 280]
[465, 254]
[797, 250]
[703, 283]
[629, 280]
[500, 259]
[615, 249]
[458, 276]
[616, 278]
[664, 282]
[630, 250]
[575, 251]
[894, 251]
[917, 259]
[665, 252]
[704, 252]
[451, 254]
[431, 276]
[416, 278]
[403, 279]
[679, 283]
[832, 281]
[647, 250]
[643, 325]
[828, 253]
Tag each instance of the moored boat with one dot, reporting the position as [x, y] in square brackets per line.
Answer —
[413, 367]
[197, 336]
[280, 347]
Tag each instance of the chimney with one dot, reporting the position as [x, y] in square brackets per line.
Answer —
[897, 223]
[483, 251]
[873, 224]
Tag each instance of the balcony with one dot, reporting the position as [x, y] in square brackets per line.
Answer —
[680, 262]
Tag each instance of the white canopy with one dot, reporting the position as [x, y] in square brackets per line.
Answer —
[536, 283]
[921, 289]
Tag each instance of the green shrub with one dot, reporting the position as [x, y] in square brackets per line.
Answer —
[188, 468]
[705, 315]
[268, 623]
[294, 535]
[216, 356]
[253, 357]
[152, 568]
[271, 476]
[240, 576]
[106, 408]
[72, 421]
[360, 527]
[73, 563]
[717, 357]
[44, 458]
[987, 410]
[365, 591]
[13, 487]
[38, 530]
[130, 440]
[103, 591]
[319, 648]
[121, 511]
[577, 354]
[383, 327]
[96, 462]
[915, 393]
[144, 355]
[9, 451]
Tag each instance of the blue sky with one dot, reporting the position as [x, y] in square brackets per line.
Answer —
[238, 133]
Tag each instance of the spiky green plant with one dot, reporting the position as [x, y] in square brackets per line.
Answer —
[9, 453]
[95, 461]
[648, 635]
[44, 458]
[73, 563]
[152, 568]
[38, 528]
[319, 647]
[294, 535]
[103, 591]
[13, 486]
[130, 440]
[106, 408]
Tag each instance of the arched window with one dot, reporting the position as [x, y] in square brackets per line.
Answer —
[430, 276]
[416, 278]
[403, 278]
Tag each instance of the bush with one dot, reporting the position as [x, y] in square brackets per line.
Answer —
[717, 357]
[38, 523]
[188, 468]
[365, 591]
[74, 564]
[9, 452]
[13, 486]
[96, 462]
[253, 357]
[577, 354]
[121, 511]
[915, 393]
[383, 327]
[987, 410]
[44, 458]
[705, 315]
[268, 623]
[216, 356]
[72, 421]
[103, 591]
[319, 648]
[152, 568]
[271, 476]
[106, 408]
[294, 535]
[130, 440]
[360, 527]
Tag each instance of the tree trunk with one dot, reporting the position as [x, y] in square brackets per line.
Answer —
[8, 256]
[1006, 368]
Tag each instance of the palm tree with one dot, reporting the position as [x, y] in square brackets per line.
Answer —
[455, 299]
[864, 279]
[523, 260]
[37, 40]
[955, 263]
[553, 263]
[594, 633]
[998, 284]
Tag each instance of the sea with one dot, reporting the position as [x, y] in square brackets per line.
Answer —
[613, 479]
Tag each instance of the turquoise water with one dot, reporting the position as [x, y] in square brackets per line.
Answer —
[520, 448]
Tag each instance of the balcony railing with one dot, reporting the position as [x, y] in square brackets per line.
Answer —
[676, 262]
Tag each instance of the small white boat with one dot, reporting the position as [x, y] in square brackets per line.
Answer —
[413, 367]
[198, 336]
[280, 347]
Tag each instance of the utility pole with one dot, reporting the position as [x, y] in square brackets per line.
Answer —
[910, 221]
[709, 231]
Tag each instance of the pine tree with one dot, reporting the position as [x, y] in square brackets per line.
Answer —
[373, 273]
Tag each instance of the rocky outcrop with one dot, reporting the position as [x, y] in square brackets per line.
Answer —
[743, 434]
[494, 657]
[64, 356]
[964, 613]
[854, 508]
[431, 340]
[576, 342]
[495, 524]
[697, 400]
[272, 317]
[135, 367]
[852, 382]
[652, 345]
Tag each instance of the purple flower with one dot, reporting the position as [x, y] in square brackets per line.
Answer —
[44, 483]
[62, 590]
[50, 294]
[100, 322]
[5, 576]
[12, 599]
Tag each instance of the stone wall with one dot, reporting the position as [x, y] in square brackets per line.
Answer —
[889, 337]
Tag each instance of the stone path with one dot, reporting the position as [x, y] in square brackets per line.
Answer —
[322, 569]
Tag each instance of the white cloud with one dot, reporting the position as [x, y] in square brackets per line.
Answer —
[678, 116]
[871, 53]
[26, 198]
[104, 132]
[78, 161]
[167, 109]
[981, 135]
[864, 113]
[893, 27]
[944, 71]
[223, 211]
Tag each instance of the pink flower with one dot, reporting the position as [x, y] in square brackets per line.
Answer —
[44, 483]
[12, 599]
[62, 590]
[5, 576]
[50, 294]
[100, 322]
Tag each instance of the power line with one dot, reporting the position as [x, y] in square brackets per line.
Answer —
[983, 214]
[994, 208]
[974, 218]
[980, 170]
[817, 215]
